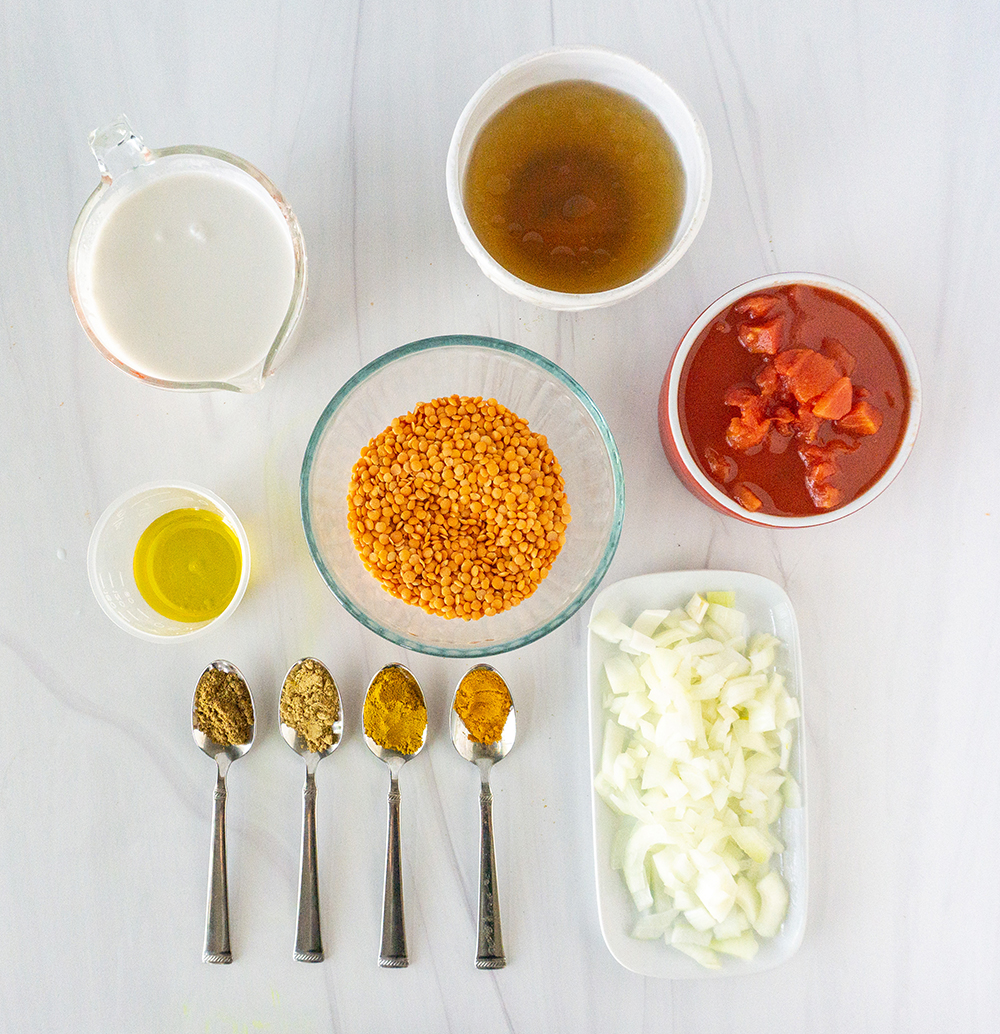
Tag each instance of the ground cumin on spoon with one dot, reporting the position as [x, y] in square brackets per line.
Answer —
[223, 710]
[483, 702]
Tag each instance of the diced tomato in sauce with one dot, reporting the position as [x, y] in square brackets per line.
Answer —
[757, 305]
[723, 468]
[807, 426]
[768, 380]
[835, 402]
[764, 338]
[746, 497]
[798, 392]
[838, 353]
[864, 418]
[809, 373]
[745, 432]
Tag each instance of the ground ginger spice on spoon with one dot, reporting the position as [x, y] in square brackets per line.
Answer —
[310, 703]
[395, 716]
[483, 702]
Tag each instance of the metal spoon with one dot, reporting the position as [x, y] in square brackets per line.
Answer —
[308, 939]
[393, 950]
[217, 918]
[489, 954]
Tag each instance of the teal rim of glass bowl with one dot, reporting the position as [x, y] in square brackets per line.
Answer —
[464, 341]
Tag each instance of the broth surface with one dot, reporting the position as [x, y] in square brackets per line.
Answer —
[575, 187]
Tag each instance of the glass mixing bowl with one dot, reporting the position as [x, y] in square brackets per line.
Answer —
[535, 389]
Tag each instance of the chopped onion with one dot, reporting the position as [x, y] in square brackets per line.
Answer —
[695, 761]
[773, 904]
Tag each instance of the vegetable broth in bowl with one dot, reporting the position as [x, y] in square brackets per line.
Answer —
[575, 187]
[576, 177]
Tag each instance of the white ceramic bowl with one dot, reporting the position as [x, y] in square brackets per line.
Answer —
[608, 69]
[676, 446]
[112, 547]
[539, 392]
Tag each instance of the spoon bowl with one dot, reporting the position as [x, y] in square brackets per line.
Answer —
[490, 953]
[308, 936]
[217, 947]
[474, 751]
[292, 736]
[393, 950]
[394, 758]
[231, 751]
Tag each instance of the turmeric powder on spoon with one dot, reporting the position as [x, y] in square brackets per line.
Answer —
[395, 715]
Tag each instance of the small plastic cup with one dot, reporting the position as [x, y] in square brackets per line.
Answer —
[112, 548]
[619, 73]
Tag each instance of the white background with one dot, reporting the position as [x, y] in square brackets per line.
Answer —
[858, 140]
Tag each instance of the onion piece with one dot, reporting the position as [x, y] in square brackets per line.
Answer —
[743, 946]
[651, 926]
[773, 904]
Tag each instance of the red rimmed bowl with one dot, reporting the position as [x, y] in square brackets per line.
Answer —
[804, 469]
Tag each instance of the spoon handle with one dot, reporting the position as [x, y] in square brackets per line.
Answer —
[217, 920]
[393, 952]
[490, 951]
[308, 942]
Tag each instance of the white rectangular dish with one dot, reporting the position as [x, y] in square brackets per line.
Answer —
[768, 609]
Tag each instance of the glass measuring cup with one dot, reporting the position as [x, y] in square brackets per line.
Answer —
[197, 300]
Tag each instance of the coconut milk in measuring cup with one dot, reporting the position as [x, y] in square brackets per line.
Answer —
[186, 266]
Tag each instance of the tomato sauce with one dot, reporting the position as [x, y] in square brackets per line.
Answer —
[794, 401]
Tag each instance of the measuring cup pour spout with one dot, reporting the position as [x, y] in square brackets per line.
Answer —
[117, 149]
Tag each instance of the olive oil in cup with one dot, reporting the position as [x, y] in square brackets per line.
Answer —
[577, 177]
[168, 561]
[187, 564]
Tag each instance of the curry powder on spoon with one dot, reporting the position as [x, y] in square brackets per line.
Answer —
[483, 702]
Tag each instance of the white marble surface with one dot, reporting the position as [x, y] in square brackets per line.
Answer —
[859, 140]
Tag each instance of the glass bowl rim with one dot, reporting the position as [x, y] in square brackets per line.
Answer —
[463, 341]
